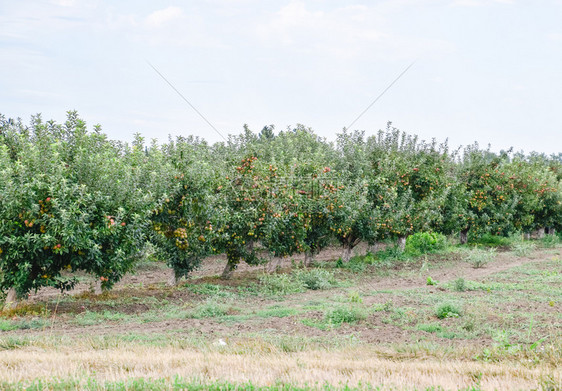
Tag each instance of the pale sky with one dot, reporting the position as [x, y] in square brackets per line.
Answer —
[486, 70]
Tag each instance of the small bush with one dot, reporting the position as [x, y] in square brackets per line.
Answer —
[210, 309]
[523, 248]
[447, 310]
[355, 297]
[479, 258]
[431, 281]
[490, 240]
[425, 242]
[550, 241]
[358, 263]
[281, 284]
[460, 285]
[315, 279]
[344, 314]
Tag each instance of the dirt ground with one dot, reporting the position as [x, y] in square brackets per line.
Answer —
[150, 281]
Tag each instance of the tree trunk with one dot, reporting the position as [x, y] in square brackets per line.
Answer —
[173, 278]
[540, 233]
[308, 258]
[347, 254]
[402, 243]
[464, 236]
[11, 299]
[374, 248]
[274, 264]
[228, 270]
[95, 287]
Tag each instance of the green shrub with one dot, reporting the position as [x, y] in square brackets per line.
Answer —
[479, 258]
[490, 240]
[447, 310]
[345, 314]
[425, 242]
[210, 309]
[550, 241]
[431, 281]
[523, 248]
[460, 285]
[281, 284]
[316, 279]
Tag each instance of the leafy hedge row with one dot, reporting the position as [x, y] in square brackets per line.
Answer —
[71, 199]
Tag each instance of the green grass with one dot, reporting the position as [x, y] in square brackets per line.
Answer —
[89, 318]
[148, 384]
[277, 312]
[23, 324]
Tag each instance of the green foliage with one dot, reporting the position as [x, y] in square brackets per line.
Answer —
[489, 240]
[430, 327]
[70, 200]
[550, 241]
[431, 281]
[315, 279]
[298, 281]
[425, 242]
[447, 310]
[73, 201]
[358, 263]
[345, 314]
[280, 284]
[523, 248]
[210, 309]
[460, 285]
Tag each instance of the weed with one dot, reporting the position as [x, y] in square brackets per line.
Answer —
[447, 310]
[460, 285]
[315, 279]
[276, 312]
[280, 284]
[391, 254]
[430, 327]
[207, 289]
[490, 240]
[479, 258]
[355, 297]
[26, 309]
[210, 309]
[431, 281]
[550, 241]
[523, 248]
[35, 323]
[358, 263]
[425, 242]
[383, 307]
[89, 318]
[345, 314]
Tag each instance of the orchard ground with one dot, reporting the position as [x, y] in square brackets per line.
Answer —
[425, 323]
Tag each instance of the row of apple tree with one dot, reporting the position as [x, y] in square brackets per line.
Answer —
[73, 200]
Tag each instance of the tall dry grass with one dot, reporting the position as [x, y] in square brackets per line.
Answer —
[352, 366]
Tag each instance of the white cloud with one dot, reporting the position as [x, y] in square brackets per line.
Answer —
[555, 37]
[479, 3]
[64, 3]
[341, 31]
[164, 16]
